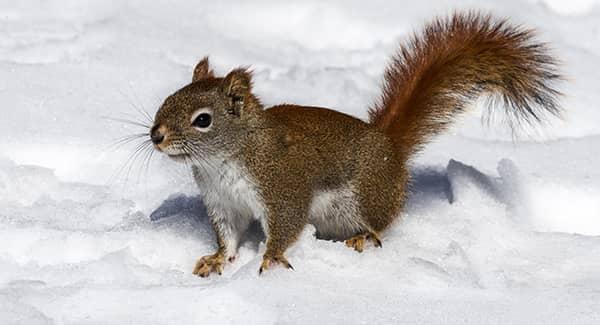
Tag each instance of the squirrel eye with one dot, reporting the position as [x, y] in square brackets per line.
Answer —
[202, 121]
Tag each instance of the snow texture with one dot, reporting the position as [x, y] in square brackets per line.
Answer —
[495, 231]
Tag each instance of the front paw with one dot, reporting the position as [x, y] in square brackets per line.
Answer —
[209, 264]
[269, 261]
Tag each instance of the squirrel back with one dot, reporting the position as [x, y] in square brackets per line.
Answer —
[438, 73]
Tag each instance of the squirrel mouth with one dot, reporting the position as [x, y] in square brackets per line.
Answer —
[179, 156]
[173, 154]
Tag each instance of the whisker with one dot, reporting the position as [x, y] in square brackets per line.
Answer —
[138, 109]
[120, 142]
[148, 160]
[137, 154]
[200, 159]
[130, 161]
[194, 161]
[143, 170]
[127, 121]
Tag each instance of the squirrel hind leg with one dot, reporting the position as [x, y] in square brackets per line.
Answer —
[335, 213]
[379, 182]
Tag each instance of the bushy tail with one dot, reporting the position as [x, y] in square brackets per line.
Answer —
[435, 75]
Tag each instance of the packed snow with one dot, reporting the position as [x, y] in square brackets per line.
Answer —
[496, 230]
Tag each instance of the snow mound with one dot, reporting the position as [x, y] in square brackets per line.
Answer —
[81, 254]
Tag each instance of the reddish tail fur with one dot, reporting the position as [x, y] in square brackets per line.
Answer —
[451, 63]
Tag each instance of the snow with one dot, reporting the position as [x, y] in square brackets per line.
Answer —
[495, 231]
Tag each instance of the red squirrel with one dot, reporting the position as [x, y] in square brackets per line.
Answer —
[287, 166]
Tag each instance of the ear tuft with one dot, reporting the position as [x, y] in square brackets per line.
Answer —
[202, 70]
[238, 82]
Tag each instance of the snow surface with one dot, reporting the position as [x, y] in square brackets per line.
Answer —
[495, 231]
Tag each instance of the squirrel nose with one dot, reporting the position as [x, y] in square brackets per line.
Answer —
[156, 135]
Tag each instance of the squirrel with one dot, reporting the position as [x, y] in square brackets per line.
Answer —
[287, 166]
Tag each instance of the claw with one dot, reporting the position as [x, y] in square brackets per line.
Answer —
[375, 239]
[264, 265]
[358, 242]
[288, 265]
[269, 261]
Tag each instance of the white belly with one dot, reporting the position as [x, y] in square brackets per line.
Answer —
[231, 197]
[335, 214]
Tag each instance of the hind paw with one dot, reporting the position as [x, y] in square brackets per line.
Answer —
[358, 242]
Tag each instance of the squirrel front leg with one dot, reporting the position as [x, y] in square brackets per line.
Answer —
[284, 225]
[228, 232]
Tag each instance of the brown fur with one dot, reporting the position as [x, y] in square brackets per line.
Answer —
[202, 70]
[453, 61]
[290, 157]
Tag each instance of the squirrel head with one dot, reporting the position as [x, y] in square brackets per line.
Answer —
[209, 116]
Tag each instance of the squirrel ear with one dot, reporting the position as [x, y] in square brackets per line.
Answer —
[237, 83]
[202, 70]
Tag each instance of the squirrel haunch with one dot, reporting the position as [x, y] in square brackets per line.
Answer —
[287, 166]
